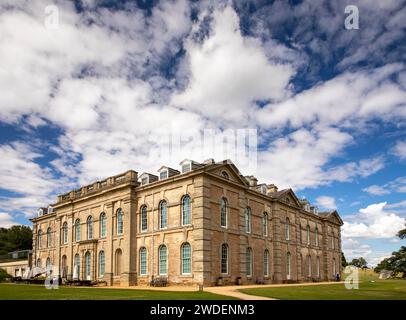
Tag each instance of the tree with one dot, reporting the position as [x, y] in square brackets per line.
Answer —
[402, 233]
[344, 262]
[396, 262]
[359, 263]
[15, 238]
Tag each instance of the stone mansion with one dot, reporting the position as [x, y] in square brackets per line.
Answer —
[205, 223]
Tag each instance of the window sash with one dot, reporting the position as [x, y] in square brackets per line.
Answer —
[143, 262]
[185, 210]
[77, 230]
[249, 262]
[144, 219]
[102, 263]
[223, 213]
[186, 259]
[120, 222]
[163, 219]
[248, 221]
[224, 259]
[266, 263]
[103, 227]
[163, 261]
[89, 229]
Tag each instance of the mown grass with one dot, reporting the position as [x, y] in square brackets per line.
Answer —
[39, 292]
[370, 288]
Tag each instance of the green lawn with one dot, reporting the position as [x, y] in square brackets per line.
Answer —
[39, 292]
[370, 288]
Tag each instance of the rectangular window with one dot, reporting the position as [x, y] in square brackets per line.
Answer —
[162, 261]
[163, 175]
[143, 262]
[186, 168]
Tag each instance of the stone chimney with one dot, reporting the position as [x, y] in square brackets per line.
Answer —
[252, 181]
[272, 188]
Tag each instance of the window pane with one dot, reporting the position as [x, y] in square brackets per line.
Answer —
[266, 263]
[249, 261]
[162, 260]
[103, 222]
[223, 213]
[186, 210]
[224, 258]
[102, 263]
[90, 228]
[144, 219]
[163, 215]
[77, 230]
[119, 221]
[186, 258]
[248, 220]
[143, 261]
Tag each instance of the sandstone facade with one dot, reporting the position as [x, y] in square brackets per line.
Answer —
[269, 236]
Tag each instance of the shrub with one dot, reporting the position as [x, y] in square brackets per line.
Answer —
[4, 275]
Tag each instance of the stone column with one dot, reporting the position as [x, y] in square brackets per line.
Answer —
[128, 262]
[277, 252]
[109, 254]
[201, 264]
[324, 246]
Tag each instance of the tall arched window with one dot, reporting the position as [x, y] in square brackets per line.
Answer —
[76, 266]
[249, 261]
[223, 212]
[186, 210]
[287, 229]
[77, 230]
[102, 263]
[224, 258]
[334, 267]
[318, 266]
[265, 224]
[309, 265]
[64, 267]
[49, 237]
[38, 263]
[88, 266]
[301, 265]
[332, 241]
[89, 224]
[163, 217]
[163, 260]
[48, 265]
[65, 233]
[288, 265]
[316, 237]
[144, 219]
[39, 240]
[103, 225]
[120, 226]
[308, 234]
[117, 269]
[248, 217]
[143, 261]
[186, 256]
[266, 263]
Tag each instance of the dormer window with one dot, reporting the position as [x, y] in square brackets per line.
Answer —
[186, 167]
[146, 178]
[166, 172]
[163, 175]
[189, 165]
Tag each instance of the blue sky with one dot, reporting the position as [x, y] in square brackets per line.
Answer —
[94, 88]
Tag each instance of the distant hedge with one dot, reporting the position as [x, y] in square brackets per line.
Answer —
[4, 275]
